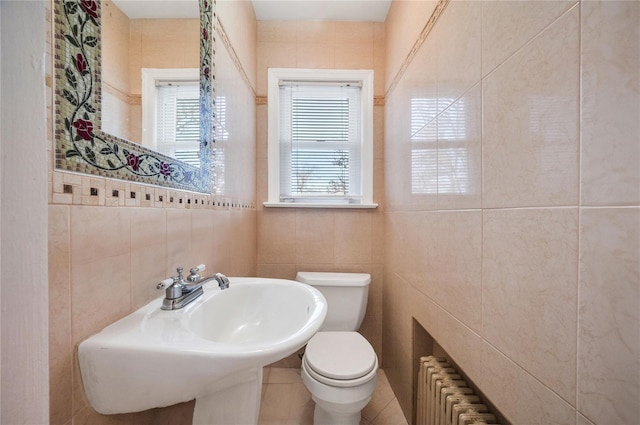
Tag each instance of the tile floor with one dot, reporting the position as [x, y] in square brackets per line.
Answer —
[286, 401]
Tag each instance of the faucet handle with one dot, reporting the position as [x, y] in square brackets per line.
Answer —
[194, 275]
[165, 283]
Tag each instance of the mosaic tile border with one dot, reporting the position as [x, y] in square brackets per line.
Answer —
[77, 189]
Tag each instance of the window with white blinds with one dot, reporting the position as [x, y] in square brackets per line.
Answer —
[322, 139]
[178, 120]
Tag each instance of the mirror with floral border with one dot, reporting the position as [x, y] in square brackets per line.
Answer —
[80, 144]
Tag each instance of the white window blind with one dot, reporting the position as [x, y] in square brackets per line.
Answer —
[178, 121]
[320, 142]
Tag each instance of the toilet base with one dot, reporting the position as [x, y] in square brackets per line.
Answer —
[339, 405]
[327, 413]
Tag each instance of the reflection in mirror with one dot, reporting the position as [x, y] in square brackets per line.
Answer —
[82, 145]
[150, 56]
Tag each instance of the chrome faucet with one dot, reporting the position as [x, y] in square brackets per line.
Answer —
[179, 292]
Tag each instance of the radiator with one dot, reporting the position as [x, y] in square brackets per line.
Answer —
[444, 398]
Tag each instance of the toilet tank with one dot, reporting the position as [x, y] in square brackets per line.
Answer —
[346, 295]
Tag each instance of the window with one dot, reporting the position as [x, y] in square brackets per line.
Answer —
[320, 138]
[171, 112]
[178, 121]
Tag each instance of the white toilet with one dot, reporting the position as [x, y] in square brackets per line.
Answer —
[339, 367]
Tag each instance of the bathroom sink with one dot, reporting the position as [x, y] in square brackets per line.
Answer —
[154, 358]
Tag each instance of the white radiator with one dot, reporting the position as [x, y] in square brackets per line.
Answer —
[444, 398]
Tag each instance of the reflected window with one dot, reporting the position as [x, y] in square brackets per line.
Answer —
[221, 136]
[178, 120]
[439, 159]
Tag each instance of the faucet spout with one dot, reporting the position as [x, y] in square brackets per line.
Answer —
[223, 281]
[181, 292]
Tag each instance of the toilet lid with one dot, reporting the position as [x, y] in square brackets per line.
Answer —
[340, 355]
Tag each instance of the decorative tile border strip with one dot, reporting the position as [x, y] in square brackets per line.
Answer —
[437, 12]
[79, 189]
[234, 56]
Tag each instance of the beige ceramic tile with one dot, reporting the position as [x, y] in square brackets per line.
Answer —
[458, 265]
[509, 25]
[410, 158]
[354, 55]
[427, 314]
[316, 32]
[276, 403]
[610, 135]
[460, 153]
[529, 292]
[277, 271]
[530, 122]
[202, 239]
[459, 61]
[148, 250]
[221, 246]
[354, 32]
[315, 237]
[609, 322]
[100, 294]
[420, 80]
[178, 414]
[382, 396]
[88, 416]
[273, 55]
[352, 236]
[315, 55]
[99, 233]
[261, 132]
[521, 398]
[581, 420]
[391, 415]
[379, 56]
[60, 347]
[242, 240]
[377, 237]
[277, 31]
[462, 345]
[276, 236]
[405, 20]
[283, 375]
[178, 239]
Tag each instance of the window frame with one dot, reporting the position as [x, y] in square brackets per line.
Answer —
[274, 77]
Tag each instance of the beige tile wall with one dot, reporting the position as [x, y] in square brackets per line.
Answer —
[107, 253]
[509, 229]
[292, 240]
[512, 232]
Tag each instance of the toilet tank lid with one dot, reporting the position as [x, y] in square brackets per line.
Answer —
[334, 279]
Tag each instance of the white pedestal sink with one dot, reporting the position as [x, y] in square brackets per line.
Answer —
[212, 351]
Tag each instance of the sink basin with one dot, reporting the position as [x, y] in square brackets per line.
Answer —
[154, 358]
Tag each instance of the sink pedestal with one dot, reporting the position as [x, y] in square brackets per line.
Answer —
[234, 400]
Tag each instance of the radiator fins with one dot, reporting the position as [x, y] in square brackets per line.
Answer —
[444, 398]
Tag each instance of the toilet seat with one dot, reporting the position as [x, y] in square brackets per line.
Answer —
[340, 358]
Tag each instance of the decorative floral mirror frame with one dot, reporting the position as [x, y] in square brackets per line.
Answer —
[80, 144]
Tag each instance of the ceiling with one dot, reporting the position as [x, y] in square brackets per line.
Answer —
[321, 10]
[267, 10]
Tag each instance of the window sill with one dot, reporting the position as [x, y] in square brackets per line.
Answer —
[317, 205]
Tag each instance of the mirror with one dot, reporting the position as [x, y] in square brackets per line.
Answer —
[88, 138]
[150, 61]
